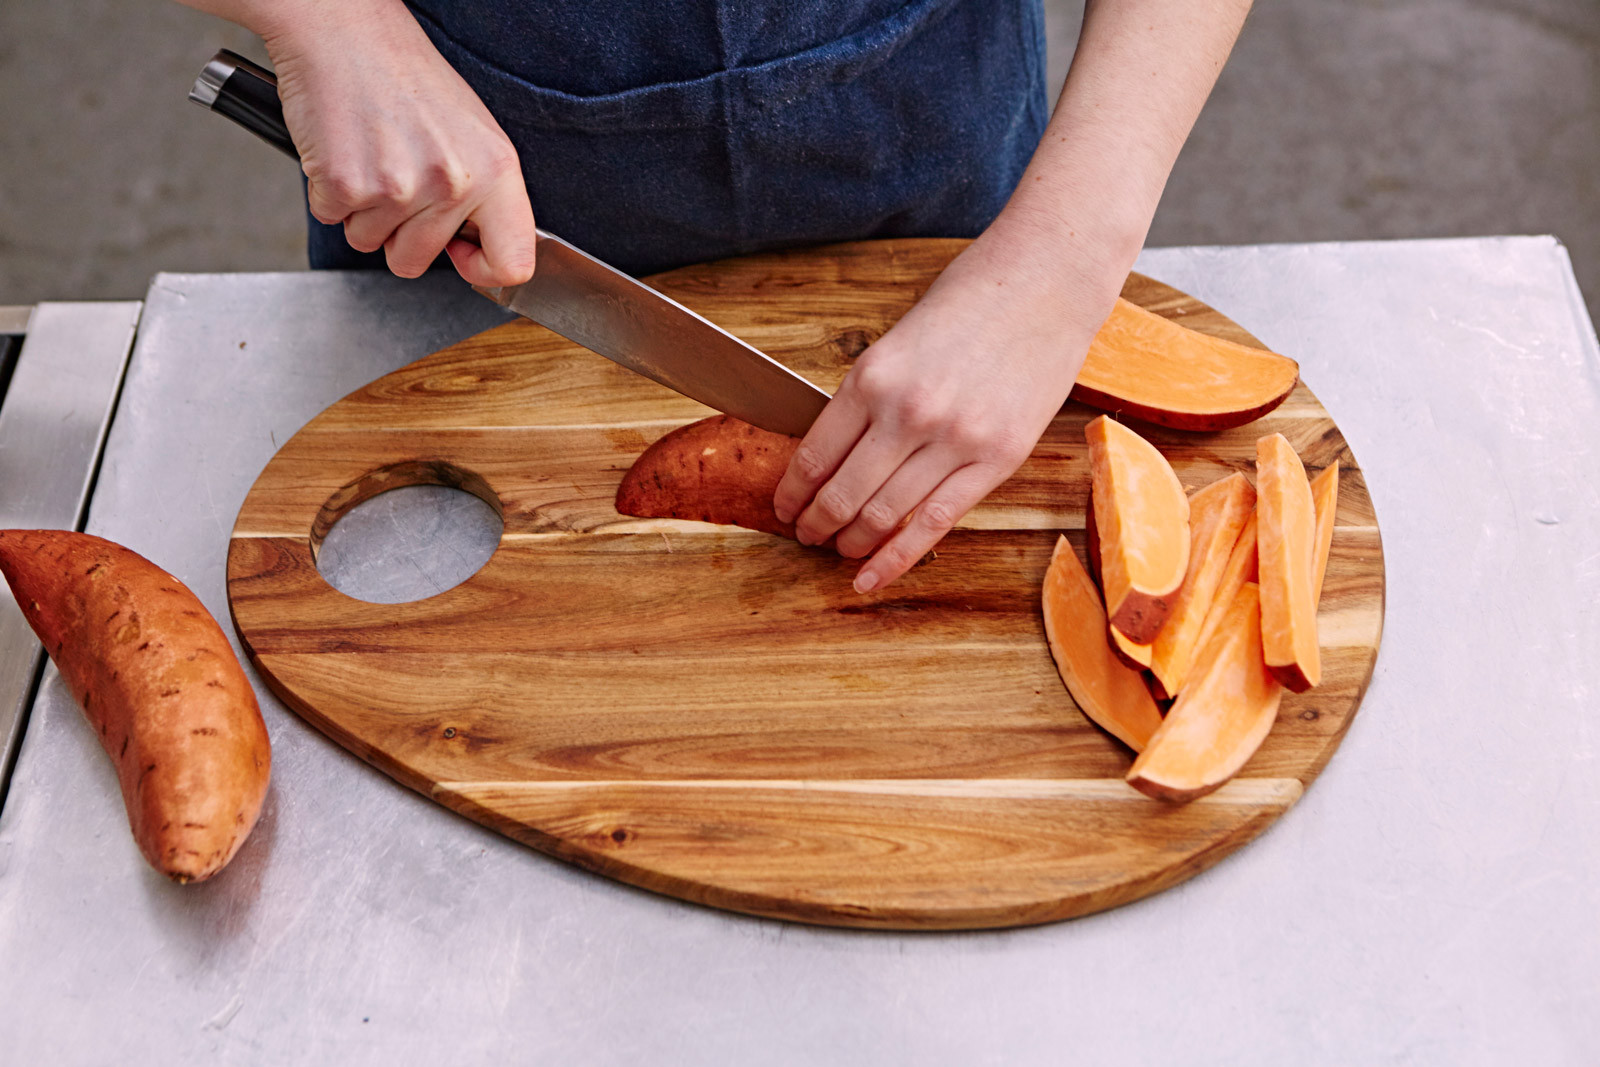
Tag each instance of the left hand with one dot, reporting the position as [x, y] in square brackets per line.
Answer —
[943, 407]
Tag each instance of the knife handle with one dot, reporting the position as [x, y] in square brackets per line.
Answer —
[238, 89]
[247, 93]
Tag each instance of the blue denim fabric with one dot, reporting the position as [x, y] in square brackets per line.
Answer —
[654, 135]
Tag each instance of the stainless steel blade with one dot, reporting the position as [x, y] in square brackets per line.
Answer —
[599, 307]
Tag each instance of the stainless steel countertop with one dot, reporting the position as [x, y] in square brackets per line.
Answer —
[1433, 899]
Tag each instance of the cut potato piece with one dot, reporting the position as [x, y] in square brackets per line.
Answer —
[1220, 718]
[1241, 568]
[1132, 653]
[1109, 693]
[1128, 651]
[1325, 500]
[1286, 532]
[1151, 368]
[1142, 521]
[1216, 515]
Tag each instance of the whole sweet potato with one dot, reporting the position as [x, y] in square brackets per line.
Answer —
[161, 686]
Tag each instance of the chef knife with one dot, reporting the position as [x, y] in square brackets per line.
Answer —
[578, 296]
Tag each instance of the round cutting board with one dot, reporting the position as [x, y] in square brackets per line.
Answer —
[713, 713]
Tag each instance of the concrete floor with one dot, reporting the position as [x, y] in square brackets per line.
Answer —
[1336, 119]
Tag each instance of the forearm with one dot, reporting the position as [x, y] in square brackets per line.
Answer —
[1141, 73]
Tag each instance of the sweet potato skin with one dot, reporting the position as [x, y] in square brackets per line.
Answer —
[717, 470]
[161, 687]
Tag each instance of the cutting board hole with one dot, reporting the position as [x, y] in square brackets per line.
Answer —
[407, 532]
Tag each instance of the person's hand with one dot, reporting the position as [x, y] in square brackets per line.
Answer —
[395, 145]
[943, 407]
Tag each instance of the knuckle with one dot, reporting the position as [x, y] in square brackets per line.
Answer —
[809, 461]
[877, 517]
[448, 181]
[938, 515]
[833, 505]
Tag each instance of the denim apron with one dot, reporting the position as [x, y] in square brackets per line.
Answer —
[675, 131]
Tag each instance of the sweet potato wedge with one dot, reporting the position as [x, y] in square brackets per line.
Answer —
[1325, 501]
[1151, 368]
[1108, 692]
[1241, 568]
[161, 686]
[1130, 652]
[1286, 532]
[1142, 521]
[717, 470]
[1220, 718]
[1217, 513]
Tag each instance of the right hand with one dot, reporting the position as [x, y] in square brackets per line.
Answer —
[395, 145]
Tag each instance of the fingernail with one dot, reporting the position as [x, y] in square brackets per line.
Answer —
[866, 582]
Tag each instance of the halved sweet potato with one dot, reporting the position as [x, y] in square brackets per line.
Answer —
[1220, 718]
[1287, 534]
[1142, 521]
[1109, 693]
[1325, 500]
[1216, 515]
[716, 470]
[1154, 369]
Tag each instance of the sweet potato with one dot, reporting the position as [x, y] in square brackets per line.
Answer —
[1107, 691]
[1286, 531]
[159, 684]
[1216, 515]
[716, 470]
[1142, 522]
[1241, 568]
[1325, 501]
[1220, 718]
[1152, 368]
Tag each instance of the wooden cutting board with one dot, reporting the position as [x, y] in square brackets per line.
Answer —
[713, 713]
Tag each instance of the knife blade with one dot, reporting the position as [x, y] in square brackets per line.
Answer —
[578, 296]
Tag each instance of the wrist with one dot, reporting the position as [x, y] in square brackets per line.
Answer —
[298, 24]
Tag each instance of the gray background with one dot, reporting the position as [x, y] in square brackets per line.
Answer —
[1336, 119]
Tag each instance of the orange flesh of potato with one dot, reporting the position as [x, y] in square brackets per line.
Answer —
[1325, 499]
[1216, 515]
[1109, 693]
[161, 686]
[1220, 718]
[1128, 651]
[1241, 568]
[1286, 532]
[716, 470]
[1142, 520]
[1152, 368]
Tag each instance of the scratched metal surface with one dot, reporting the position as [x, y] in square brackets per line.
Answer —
[1431, 900]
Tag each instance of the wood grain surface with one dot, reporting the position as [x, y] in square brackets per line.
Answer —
[713, 713]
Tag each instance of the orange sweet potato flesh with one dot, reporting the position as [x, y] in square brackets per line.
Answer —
[1142, 520]
[1217, 513]
[1128, 651]
[1286, 535]
[1241, 568]
[1325, 500]
[1149, 367]
[716, 470]
[161, 686]
[1220, 718]
[1110, 693]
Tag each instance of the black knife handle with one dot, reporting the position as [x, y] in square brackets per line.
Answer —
[238, 89]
